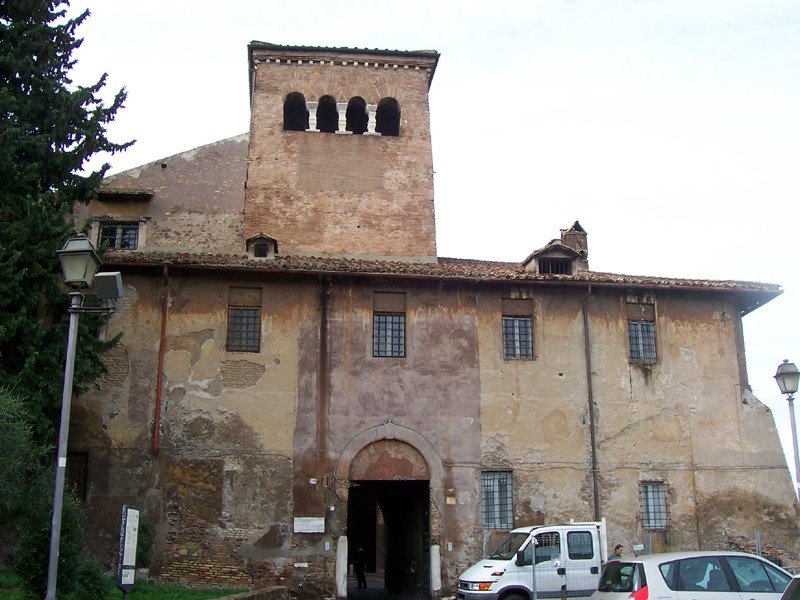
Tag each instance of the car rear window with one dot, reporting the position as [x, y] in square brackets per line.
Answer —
[618, 577]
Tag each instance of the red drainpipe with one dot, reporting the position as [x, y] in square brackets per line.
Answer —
[161, 351]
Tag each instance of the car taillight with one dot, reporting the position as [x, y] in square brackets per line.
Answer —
[640, 594]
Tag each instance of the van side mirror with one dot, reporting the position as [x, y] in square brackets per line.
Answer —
[520, 558]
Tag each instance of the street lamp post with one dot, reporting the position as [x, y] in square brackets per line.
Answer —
[79, 263]
[787, 377]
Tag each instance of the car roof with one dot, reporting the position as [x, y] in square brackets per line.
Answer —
[669, 556]
[792, 591]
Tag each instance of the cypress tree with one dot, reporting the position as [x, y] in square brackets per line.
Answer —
[49, 128]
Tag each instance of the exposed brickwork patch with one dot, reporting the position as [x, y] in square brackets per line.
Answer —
[241, 373]
[118, 366]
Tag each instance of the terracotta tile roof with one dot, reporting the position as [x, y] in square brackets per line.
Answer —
[255, 44]
[444, 269]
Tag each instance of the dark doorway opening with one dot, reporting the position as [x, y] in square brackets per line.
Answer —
[390, 521]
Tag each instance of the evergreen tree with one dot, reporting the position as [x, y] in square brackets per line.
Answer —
[49, 128]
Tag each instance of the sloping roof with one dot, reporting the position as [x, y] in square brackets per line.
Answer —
[752, 294]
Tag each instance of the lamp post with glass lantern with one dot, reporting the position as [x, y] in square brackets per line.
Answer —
[79, 263]
[787, 377]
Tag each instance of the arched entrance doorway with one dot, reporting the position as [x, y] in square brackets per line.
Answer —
[388, 516]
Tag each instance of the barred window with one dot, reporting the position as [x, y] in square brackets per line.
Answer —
[389, 334]
[642, 341]
[497, 500]
[119, 236]
[653, 498]
[517, 338]
[244, 320]
[555, 266]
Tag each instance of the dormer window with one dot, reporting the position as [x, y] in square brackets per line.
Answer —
[559, 258]
[555, 266]
[262, 246]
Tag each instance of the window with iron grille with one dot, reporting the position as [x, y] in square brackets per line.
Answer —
[642, 341]
[389, 334]
[119, 236]
[517, 338]
[497, 500]
[653, 499]
[244, 320]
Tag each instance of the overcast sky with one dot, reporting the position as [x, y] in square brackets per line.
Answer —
[670, 129]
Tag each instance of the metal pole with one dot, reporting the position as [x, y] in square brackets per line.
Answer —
[790, 398]
[76, 299]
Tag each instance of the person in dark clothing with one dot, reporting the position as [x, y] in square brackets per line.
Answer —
[360, 567]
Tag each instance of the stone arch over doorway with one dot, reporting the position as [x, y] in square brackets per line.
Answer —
[393, 477]
[390, 430]
[389, 460]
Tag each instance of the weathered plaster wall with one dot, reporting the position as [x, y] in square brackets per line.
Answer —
[217, 489]
[341, 194]
[198, 200]
[252, 440]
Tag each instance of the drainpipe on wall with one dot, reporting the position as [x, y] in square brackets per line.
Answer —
[592, 426]
[161, 351]
[323, 367]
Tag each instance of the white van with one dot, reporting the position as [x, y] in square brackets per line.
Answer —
[569, 559]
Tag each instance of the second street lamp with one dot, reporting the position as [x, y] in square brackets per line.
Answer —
[787, 377]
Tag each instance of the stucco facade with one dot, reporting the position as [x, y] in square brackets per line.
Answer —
[378, 391]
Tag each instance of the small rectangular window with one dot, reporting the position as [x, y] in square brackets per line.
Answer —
[244, 320]
[497, 500]
[517, 338]
[119, 236]
[642, 341]
[653, 497]
[389, 334]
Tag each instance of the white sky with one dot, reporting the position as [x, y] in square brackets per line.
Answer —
[669, 128]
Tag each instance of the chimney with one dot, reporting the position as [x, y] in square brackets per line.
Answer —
[575, 238]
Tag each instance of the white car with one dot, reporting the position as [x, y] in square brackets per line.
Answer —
[692, 576]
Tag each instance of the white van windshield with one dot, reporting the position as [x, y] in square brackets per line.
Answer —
[509, 546]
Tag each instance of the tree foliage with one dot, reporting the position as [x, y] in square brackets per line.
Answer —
[32, 551]
[49, 128]
[20, 456]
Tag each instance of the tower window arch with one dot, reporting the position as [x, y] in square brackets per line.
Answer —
[327, 115]
[295, 112]
[357, 117]
[387, 117]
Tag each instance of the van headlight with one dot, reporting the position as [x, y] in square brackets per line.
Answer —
[479, 586]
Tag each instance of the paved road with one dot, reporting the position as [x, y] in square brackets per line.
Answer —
[375, 590]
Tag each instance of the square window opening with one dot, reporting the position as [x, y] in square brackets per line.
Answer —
[389, 334]
[642, 341]
[653, 500]
[244, 329]
[517, 338]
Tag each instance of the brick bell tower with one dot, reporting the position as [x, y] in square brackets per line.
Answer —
[340, 152]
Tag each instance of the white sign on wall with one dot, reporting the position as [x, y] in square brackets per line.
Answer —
[309, 524]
